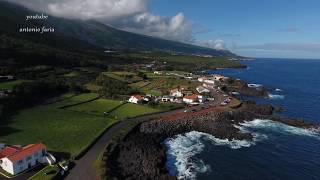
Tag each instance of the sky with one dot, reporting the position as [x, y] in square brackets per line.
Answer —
[254, 28]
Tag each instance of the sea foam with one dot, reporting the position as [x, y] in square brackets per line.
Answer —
[278, 127]
[182, 151]
[275, 96]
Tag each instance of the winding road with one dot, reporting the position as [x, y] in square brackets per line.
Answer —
[84, 169]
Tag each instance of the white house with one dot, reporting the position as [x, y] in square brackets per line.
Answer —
[202, 89]
[158, 72]
[15, 160]
[168, 98]
[176, 93]
[201, 79]
[136, 99]
[210, 81]
[194, 99]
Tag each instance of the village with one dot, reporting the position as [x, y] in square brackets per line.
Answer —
[207, 91]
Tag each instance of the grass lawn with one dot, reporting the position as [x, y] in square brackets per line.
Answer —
[97, 107]
[51, 172]
[132, 110]
[10, 85]
[61, 130]
[76, 99]
[140, 84]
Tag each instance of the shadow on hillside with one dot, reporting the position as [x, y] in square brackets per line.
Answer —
[5, 130]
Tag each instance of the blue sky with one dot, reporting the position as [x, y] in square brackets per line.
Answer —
[259, 28]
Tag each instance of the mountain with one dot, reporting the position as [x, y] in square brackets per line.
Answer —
[79, 34]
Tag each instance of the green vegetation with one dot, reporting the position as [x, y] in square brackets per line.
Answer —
[62, 130]
[100, 162]
[47, 173]
[11, 84]
[131, 110]
[97, 107]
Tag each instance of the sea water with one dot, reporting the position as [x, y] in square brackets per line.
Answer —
[277, 151]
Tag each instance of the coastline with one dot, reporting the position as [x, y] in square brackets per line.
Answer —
[144, 144]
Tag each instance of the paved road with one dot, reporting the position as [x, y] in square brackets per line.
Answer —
[83, 169]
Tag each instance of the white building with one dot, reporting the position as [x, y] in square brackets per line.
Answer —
[202, 89]
[158, 72]
[168, 98]
[176, 93]
[15, 160]
[194, 99]
[210, 81]
[136, 99]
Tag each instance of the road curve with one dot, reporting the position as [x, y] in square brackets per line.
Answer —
[83, 169]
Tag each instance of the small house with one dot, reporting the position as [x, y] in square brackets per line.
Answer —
[176, 93]
[202, 89]
[194, 99]
[136, 99]
[168, 98]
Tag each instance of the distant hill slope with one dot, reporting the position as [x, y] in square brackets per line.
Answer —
[78, 34]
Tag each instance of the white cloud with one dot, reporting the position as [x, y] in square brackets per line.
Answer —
[173, 28]
[87, 9]
[215, 44]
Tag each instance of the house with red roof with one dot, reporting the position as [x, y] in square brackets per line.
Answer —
[194, 99]
[136, 99]
[16, 159]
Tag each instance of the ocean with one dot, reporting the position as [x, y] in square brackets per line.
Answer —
[277, 151]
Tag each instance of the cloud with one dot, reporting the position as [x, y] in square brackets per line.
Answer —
[173, 28]
[106, 10]
[215, 44]
[302, 47]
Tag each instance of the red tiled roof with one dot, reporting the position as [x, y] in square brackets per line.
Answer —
[193, 97]
[21, 153]
[139, 97]
[8, 151]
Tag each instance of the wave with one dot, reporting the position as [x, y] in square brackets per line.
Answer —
[277, 89]
[252, 85]
[182, 151]
[278, 127]
[276, 96]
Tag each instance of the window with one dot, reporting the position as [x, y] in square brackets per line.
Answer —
[20, 162]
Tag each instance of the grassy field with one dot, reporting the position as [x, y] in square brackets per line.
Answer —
[97, 107]
[62, 130]
[51, 172]
[10, 85]
[132, 110]
[127, 77]
[70, 100]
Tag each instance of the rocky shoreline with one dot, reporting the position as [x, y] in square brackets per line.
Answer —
[141, 155]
